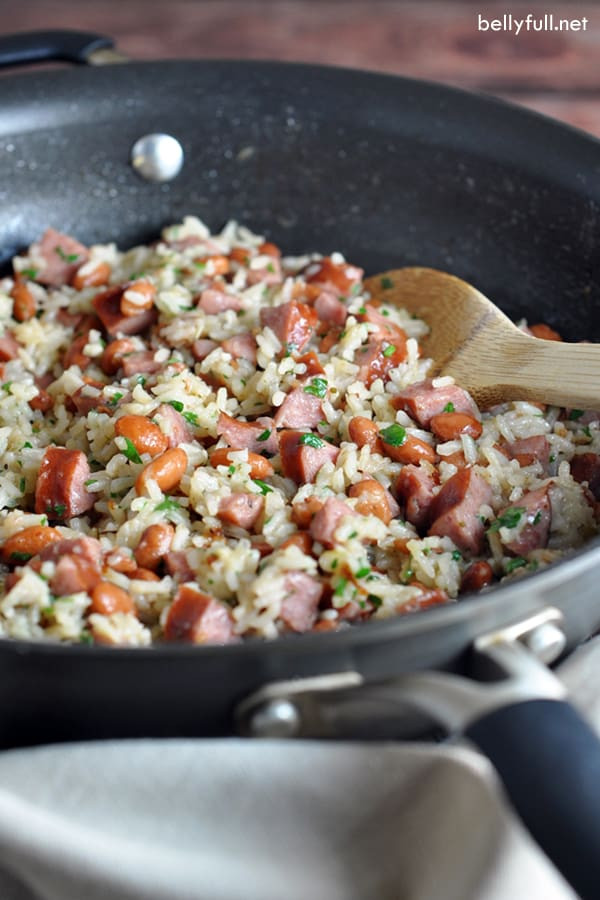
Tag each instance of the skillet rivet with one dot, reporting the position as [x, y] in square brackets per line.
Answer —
[275, 719]
[547, 641]
[157, 157]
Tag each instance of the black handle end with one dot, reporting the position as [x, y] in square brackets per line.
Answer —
[38, 46]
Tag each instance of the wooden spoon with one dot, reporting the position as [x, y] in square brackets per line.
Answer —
[472, 340]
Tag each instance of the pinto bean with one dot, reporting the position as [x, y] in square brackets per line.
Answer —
[110, 361]
[166, 470]
[87, 276]
[19, 547]
[42, 401]
[448, 426]
[219, 264]
[137, 297]
[304, 511]
[24, 305]
[259, 466]
[363, 431]
[145, 436]
[412, 451]
[108, 598]
[301, 539]
[477, 576]
[240, 255]
[372, 499]
[269, 249]
[154, 544]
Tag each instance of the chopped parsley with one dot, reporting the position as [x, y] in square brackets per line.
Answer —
[22, 484]
[517, 563]
[334, 564]
[270, 267]
[389, 350]
[90, 481]
[29, 273]
[6, 387]
[317, 387]
[231, 469]
[362, 310]
[537, 518]
[575, 414]
[20, 557]
[27, 446]
[362, 572]
[190, 417]
[264, 487]
[449, 407]
[290, 348]
[510, 518]
[394, 435]
[341, 587]
[386, 283]
[141, 380]
[166, 504]
[112, 401]
[587, 431]
[86, 638]
[374, 600]
[456, 555]
[66, 257]
[130, 452]
[176, 404]
[59, 509]
[385, 312]
[312, 440]
[265, 435]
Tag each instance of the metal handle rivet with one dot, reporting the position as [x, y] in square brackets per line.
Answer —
[275, 719]
[157, 157]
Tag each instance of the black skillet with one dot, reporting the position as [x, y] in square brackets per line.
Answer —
[392, 172]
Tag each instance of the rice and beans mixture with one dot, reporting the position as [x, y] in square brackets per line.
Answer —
[203, 441]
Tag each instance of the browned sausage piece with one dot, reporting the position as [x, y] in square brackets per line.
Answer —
[259, 436]
[337, 277]
[293, 324]
[213, 302]
[300, 539]
[140, 362]
[108, 306]
[300, 602]
[241, 509]
[202, 347]
[198, 618]
[241, 346]
[24, 305]
[378, 357]
[533, 514]
[330, 309]
[476, 577]
[174, 426]
[301, 461]
[529, 450]
[455, 510]
[112, 356]
[60, 491]
[78, 564]
[422, 401]
[415, 489]
[154, 545]
[62, 255]
[373, 499]
[300, 409]
[178, 567]
[586, 467]
[541, 330]
[327, 520]
[9, 349]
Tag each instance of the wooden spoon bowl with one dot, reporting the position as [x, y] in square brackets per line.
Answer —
[472, 340]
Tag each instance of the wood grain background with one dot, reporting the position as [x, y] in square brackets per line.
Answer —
[555, 72]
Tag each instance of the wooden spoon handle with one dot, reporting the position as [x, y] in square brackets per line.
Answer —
[521, 367]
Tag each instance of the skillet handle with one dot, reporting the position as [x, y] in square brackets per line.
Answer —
[38, 46]
[548, 758]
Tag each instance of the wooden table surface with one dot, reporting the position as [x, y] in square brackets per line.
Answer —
[557, 73]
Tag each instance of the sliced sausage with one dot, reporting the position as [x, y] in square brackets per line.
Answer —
[60, 491]
[586, 467]
[329, 309]
[202, 347]
[293, 324]
[540, 330]
[9, 348]
[340, 278]
[84, 401]
[378, 357]
[140, 362]
[300, 461]
[78, 564]
[61, 255]
[386, 330]
[422, 401]
[213, 302]
[174, 425]
[259, 436]
[299, 410]
[269, 274]
[327, 520]
[529, 450]
[108, 307]
[312, 363]
[241, 509]
[533, 528]
[178, 567]
[241, 346]
[415, 488]
[455, 510]
[198, 618]
[300, 602]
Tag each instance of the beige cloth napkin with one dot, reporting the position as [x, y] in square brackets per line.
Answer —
[269, 820]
